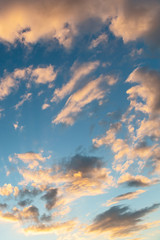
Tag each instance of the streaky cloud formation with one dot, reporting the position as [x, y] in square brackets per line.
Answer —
[125, 196]
[120, 221]
[78, 72]
[94, 90]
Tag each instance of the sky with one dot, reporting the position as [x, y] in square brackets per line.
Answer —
[80, 119]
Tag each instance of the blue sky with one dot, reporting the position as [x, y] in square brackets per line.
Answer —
[80, 119]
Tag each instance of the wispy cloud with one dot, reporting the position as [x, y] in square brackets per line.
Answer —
[76, 102]
[103, 38]
[25, 97]
[78, 72]
[125, 196]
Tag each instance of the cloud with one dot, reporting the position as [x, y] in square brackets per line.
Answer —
[40, 178]
[150, 128]
[50, 197]
[137, 20]
[39, 75]
[136, 181]
[31, 193]
[147, 88]
[57, 227]
[86, 175]
[76, 102]
[125, 196]
[30, 158]
[79, 176]
[24, 203]
[25, 97]
[45, 106]
[120, 221]
[110, 136]
[8, 189]
[29, 213]
[43, 75]
[3, 205]
[78, 73]
[6, 85]
[17, 126]
[103, 38]
[84, 164]
[31, 21]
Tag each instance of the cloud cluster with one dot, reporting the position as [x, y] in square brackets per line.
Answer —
[8, 189]
[32, 159]
[80, 176]
[31, 21]
[10, 81]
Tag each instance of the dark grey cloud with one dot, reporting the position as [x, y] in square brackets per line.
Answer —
[26, 192]
[121, 221]
[137, 183]
[84, 164]
[140, 183]
[46, 218]
[50, 197]
[3, 205]
[24, 203]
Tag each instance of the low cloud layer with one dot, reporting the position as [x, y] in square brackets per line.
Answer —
[31, 21]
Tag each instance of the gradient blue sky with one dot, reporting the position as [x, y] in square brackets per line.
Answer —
[79, 119]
